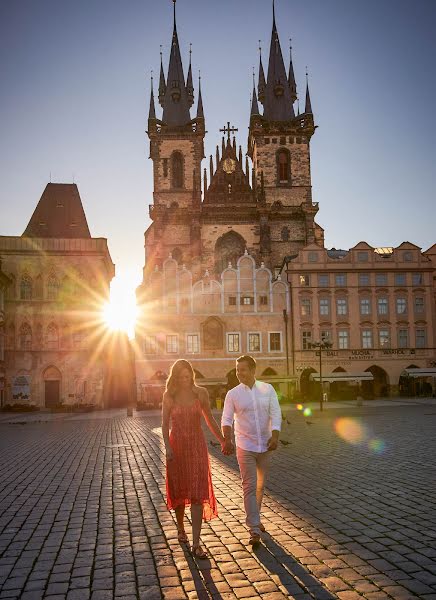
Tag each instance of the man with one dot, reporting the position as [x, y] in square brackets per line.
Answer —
[255, 408]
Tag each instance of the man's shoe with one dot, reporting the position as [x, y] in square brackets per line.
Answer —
[262, 528]
[254, 539]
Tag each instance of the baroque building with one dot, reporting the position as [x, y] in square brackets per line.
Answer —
[230, 245]
[59, 278]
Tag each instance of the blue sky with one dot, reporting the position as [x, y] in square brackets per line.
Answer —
[74, 96]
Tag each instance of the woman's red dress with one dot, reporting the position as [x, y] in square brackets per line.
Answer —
[188, 474]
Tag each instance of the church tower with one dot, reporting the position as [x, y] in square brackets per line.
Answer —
[279, 146]
[176, 149]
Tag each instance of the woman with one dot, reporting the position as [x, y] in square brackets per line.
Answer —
[188, 482]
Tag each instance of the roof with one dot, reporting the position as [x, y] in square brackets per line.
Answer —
[58, 214]
[343, 376]
[419, 372]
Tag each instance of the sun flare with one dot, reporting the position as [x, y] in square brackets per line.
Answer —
[121, 312]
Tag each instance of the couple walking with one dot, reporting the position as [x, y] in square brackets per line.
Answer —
[253, 408]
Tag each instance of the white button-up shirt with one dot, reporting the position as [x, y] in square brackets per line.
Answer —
[256, 412]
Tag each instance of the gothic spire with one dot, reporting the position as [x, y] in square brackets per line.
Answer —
[308, 107]
[200, 112]
[262, 83]
[189, 84]
[278, 101]
[254, 104]
[152, 111]
[176, 101]
[291, 76]
[162, 84]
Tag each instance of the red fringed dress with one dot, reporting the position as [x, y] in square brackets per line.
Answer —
[188, 474]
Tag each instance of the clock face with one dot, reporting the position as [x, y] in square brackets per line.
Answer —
[229, 165]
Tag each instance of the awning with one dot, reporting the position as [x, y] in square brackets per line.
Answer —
[343, 376]
[419, 373]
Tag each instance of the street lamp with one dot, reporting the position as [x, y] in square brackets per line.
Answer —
[320, 346]
[285, 318]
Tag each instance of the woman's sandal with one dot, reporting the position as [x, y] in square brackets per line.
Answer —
[198, 552]
[182, 537]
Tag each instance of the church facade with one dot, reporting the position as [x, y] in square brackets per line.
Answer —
[56, 279]
[220, 276]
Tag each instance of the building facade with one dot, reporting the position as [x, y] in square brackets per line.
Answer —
[59, 280]
[4, 282]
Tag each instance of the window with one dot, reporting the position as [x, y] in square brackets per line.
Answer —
[419, 305]
[313, 257]
[364, 279]
[150, 344]
[52, 288]
[254, 342]
[384, 339]
[341, 279]
[408, 256]
[247, 300]
[417, 279]
[285, 234]
[367, 338]
[307, 339]
[177, 170]
[341, 306]
[305, 280]
[78, 339]
[420, 338]
[400, 278]
[26, 288]
[25, 339]
[52, 337]
[382, 306]
[275, 341]
[343, 339]
[401, 306]
[403, 338]
[362, 257]
[326, 335]
[233, 344]
[172, 344]
[192, 343]
[263, 300]
[365, 306]
[165, 167]
[305, 307]
[323, 280]
[283, 166]
[324, 306]
[232, 300]
[381, 279]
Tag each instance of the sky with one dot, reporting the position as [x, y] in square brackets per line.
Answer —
[75, 88]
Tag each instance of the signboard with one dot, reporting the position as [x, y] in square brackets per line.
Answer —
[21, 388]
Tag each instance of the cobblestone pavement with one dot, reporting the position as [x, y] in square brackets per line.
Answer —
[349, 511]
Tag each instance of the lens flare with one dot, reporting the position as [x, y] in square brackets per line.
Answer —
[377, 445]
[350, 430]
[299, 407]
[307, 412]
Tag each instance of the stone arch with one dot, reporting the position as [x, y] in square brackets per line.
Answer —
[52, 337]
[379, 387]
[228, 249]
[177, 255]
[52, 287]
[269, 372]
[232, 380]
[25, 337]
[26, 287]
[52, 378]
[307, 386]
[213, 334]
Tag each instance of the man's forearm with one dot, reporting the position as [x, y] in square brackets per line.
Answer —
[275, 434]
[227, 432]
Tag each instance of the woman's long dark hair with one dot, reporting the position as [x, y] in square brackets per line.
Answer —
[179, 366]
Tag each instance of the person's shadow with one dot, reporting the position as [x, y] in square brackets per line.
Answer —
[292, 575]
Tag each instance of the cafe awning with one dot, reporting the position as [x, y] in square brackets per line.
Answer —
[343, 376]
[419, 373]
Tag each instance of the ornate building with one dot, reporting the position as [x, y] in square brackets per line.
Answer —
[4, 282]
[59, 278]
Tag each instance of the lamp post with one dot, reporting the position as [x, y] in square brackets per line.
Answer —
[285, 319]
[320, 346]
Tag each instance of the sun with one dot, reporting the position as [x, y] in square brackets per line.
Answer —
[121, 312]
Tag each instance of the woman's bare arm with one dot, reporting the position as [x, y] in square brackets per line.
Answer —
[166, 411]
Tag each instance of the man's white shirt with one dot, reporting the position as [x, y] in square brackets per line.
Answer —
[256, 412]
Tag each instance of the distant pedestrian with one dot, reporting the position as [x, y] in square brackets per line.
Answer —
[188, 478]
[254, 407]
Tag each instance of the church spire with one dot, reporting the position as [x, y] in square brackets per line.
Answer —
[152, 111]
[189, 84]
[200, 112]
[262, 83]
[278, 101]
[176, 101]
[308, 107]
[254, 104]
[291, 76]
[162, 84]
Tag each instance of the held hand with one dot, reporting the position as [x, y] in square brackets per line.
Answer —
[227, 447]
[169, 454]
[272, 443]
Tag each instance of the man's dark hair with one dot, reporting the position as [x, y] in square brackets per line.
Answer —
[249, 360]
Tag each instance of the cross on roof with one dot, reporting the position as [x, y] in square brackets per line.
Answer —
[229, 130]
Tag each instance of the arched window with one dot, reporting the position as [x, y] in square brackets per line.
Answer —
[52, 339]
[283, 166]
[228, 249]
[176, 253]
[38, 336]
[285, 234]
[25, 337]
[10, 337]
[26, 288]
[52, 288]
[177, 170]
